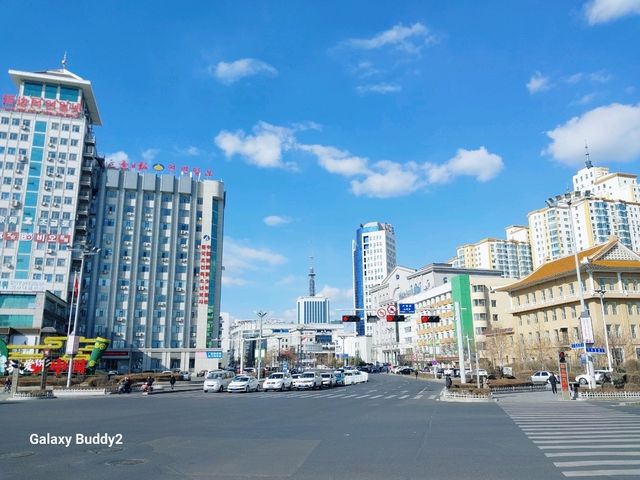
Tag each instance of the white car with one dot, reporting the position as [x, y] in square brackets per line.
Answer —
[541, 377]
[328, 379]
[364, 376]
[277, 381]
[311, 380]
[217, 381]
[599, 377]
[243, 383]
[348, 377]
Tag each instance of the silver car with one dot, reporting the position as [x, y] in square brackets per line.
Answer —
[243, 383]
[217, 381]
[310, 380]
[277, 381]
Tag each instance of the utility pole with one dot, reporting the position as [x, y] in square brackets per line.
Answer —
[260, 314]
[463, 374]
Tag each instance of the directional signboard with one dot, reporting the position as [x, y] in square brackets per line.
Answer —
[407, 308]
[576, 346]
[595, 350]
[217, 354]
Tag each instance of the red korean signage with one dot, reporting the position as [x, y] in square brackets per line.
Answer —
[37, 237]
[172, 168]
[205, 273]
[58, 108]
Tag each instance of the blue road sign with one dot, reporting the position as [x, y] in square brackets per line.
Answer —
[575, 346]
[214, 354]
[407, 308]
[595, 350]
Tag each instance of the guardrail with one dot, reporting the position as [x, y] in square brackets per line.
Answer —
[621, 394]
[477, 396]
[519, 388]
[79, 392]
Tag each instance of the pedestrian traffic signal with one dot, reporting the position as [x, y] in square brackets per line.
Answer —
[561, 357]
[350, 318]
[395, 318]
[430, 319]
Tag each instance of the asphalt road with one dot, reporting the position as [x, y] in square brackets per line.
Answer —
[389, 428]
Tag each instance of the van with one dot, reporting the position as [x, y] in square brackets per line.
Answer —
[217, 380]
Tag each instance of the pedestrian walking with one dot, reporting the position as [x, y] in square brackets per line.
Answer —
[416, 373]
[172, 381]
[7, 384]
[448, 382]
[554, 382]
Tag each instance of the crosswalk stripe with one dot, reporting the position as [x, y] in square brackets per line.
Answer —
[390, 396]
[349, 396]
[363, 396]
[431, 397]
[592, 454]
[580, 440]
[606, 445]
[417, 397]
[569, 437]
[596, 463]
[600, 473]
[403, 397]
[377, 396]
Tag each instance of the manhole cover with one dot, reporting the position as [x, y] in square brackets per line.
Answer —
[100, 451]
[16, 454]
[129, 461]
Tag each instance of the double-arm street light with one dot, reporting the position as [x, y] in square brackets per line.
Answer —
[261, 315]
[566, 201]
[71, 351]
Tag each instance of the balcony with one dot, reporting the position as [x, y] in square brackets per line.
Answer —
[90, 140]
[85, 180]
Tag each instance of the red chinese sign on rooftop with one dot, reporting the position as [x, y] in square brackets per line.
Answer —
[58, 108]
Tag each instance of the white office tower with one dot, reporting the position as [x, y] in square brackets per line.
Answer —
[48, 165]
[374, 256]
[602, 204]
[511, 256]
[155, 291]
[312, 309]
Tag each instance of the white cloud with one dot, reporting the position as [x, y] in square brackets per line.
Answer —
[588, 98]
[391, 180]
[612, 132]
[115, 159]
[336, 295]
[594, 77]
[149, 154]
[337, 161]
[382, 88]
[263, 149]
[290, 315]
[229, 281]
[276, 220]
[231, 72]
[192, 151]
[288, 280]
[410, 39]
[475, 163]
[538, 83]
[602, 11]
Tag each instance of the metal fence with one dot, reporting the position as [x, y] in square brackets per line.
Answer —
[619, 394]
[519, 388]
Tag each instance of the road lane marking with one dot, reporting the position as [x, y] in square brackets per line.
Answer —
[596, 463]
[592, 454]
[431, 397]
[600, 473]
[390, 396]
[363, 396]
[418, 397]
[376, 396]
[606, 445]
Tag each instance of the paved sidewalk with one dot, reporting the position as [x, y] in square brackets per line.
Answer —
[537, 398]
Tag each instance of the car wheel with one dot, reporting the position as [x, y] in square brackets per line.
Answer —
[246, 389]
[583, 381]
[206, 391]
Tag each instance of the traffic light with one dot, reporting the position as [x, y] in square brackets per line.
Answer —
[395, 318]
[350, 318]
[47, 362]
[561, 357]
[430, 319]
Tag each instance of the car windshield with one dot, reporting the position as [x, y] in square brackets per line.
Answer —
[308, 375]
[213, 376]
[241, 379]
[276, 375]
[326, 375]
[348, 374]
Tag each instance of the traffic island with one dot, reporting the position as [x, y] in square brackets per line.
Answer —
[465, 393]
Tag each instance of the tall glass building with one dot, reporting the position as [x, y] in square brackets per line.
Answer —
[374, 256]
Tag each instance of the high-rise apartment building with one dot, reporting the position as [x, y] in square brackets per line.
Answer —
[511, 256]
[156, 287]
[602, 204]
[374, 256]
[48, 166]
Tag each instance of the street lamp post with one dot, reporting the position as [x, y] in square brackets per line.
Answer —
[601, 293]
[261, 315]
[584, 313]
[83, 254]
[463, 374]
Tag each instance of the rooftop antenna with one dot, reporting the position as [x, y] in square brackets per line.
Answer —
[586, 154]
[64, 61]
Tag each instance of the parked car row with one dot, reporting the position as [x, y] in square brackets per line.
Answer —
[224, 380]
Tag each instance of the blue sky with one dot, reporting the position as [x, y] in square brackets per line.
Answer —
[449, 120]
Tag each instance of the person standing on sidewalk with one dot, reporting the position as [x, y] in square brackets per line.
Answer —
[554, 382]
[172, 381]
